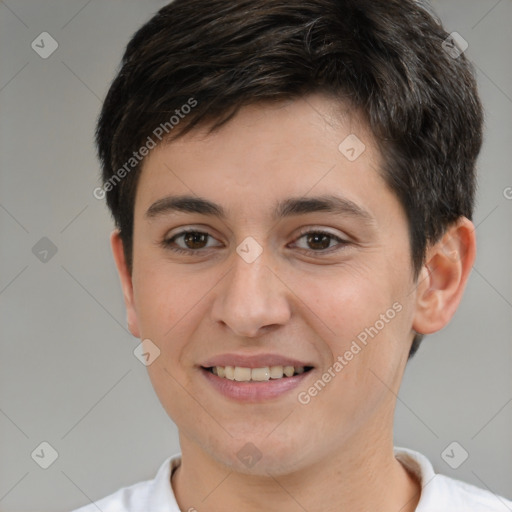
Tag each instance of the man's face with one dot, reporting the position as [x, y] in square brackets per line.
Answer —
[255, 290]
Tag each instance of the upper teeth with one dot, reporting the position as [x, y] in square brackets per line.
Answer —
[243, 374]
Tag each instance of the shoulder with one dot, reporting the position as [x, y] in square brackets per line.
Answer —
[155, 495]
[455, 495]
[441, 493]
[126, 499]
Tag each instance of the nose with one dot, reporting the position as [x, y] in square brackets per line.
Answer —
[252, 298]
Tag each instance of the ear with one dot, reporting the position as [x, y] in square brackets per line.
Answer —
[126, 282]
[444, 276]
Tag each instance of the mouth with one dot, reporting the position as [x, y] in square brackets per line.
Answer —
[262, 374]
[255, 379]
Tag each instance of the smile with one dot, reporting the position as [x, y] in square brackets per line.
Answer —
[244, 374]
[255, 385]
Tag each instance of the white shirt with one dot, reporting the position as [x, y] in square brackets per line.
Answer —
[439, 493]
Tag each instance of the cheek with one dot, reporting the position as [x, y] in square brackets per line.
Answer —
[368, 324]
[368, 315]
[160, 299]
[349, 300]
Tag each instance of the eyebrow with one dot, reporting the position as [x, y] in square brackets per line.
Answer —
[285, 208]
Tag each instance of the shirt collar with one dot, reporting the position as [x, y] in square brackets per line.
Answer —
[160, 494]
[422, 469]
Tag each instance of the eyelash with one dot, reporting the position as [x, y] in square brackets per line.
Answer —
[167, 243]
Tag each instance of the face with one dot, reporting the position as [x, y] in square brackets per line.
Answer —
[309, 266]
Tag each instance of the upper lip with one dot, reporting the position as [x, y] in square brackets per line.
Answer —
[253, 361]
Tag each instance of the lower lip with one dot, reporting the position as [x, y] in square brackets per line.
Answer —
[254, 391]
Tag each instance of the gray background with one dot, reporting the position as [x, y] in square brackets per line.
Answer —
[68, 374]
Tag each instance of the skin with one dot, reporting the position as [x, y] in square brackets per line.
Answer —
[336, 452]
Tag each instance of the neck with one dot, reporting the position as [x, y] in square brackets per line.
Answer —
[362, 475]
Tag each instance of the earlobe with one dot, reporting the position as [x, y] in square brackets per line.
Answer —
[125, 277]
[443, 278]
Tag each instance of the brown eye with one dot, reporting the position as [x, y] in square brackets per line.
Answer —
[194, 241]
[319, 242]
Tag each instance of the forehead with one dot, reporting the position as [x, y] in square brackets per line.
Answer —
[282, 125]
[268, 152]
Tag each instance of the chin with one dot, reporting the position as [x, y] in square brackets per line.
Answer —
[261, 457]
